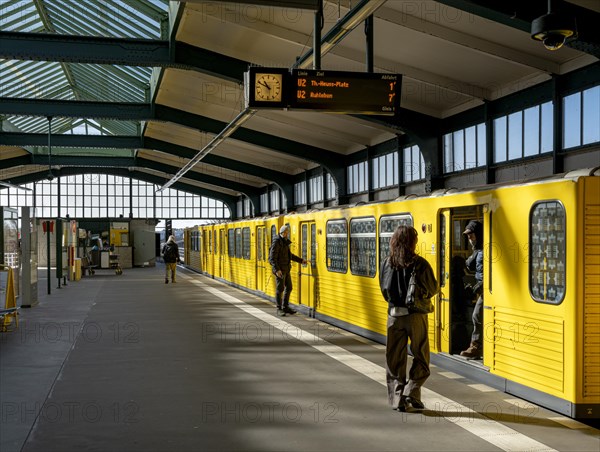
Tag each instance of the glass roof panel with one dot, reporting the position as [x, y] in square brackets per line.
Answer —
[20, 15]
[139, 19]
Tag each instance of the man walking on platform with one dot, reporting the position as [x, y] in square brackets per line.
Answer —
[170, 254]
[280, 258]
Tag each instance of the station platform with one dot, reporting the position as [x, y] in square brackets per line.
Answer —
[129, 363]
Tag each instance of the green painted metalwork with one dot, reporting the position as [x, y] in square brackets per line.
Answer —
[52, 80]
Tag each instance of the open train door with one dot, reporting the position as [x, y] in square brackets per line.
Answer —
[308, 252]
[442, 308]
[262, 256]
[454, 324]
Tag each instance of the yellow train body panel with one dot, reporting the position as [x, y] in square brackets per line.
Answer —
[541, 277]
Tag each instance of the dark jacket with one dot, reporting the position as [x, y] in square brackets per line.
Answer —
[170, 252]
[280, 255]
[475, 263]
[394, 283]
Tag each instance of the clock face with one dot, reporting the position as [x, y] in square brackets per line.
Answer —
[267, 87]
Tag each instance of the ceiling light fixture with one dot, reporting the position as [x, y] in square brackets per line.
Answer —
[553, 29]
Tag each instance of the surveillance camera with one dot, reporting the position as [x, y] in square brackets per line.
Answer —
[553, 30]
[554, 40]
[50, 176]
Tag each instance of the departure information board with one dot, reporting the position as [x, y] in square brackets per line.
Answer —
[345, 92]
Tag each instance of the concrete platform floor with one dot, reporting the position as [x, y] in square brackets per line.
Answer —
[128, 363]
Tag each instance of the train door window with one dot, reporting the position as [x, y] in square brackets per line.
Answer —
[363, 247]
[246, 243]
[337, 246]
[387, 226]
[238, 242]
[215, 242]
[231, 242]
[442, 250]
[547, 252]
[304, 239]
[313, 244]
[209, 242]
[259, 244]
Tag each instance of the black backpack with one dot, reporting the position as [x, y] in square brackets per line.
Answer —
[388, 282]
[170, 253]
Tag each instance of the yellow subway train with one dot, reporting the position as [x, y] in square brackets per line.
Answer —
[541, 277]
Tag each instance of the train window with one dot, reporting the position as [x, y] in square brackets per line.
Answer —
[259, 244]
[442, 250]
[337, 246]
[246, 243]
[387, 226]
[238, 242]
[313, 245]
[363, 247]
[304, 241]
[231, 242]
[547, 252]
[209, 242]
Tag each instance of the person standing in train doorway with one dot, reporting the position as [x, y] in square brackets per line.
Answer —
[474, 232]
[402, 324]
[280, 258]
[170, 252]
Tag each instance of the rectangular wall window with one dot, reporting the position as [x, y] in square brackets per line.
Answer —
[523, 133]
[384, 170]
[581, 118]
[414, 164]
[358, 178]
[275, 200]
[315, 185]
[464, 149]
[331, 189]
[300, 193]
[264, 203]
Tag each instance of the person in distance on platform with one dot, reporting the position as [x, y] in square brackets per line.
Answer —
[170, 252]
[474, 232]
[280, 258]
[403, 325]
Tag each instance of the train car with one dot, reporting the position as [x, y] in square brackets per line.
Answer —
[192, 239]
[541, 279]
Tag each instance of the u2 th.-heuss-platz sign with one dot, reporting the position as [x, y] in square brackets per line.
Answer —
[327, 91]
[348, 92]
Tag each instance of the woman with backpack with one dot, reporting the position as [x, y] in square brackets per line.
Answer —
[170, 254]
[404, 324]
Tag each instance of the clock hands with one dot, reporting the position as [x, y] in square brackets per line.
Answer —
[268, 87]
[262, 82]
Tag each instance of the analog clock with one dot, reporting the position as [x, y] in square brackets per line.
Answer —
[268, 87]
